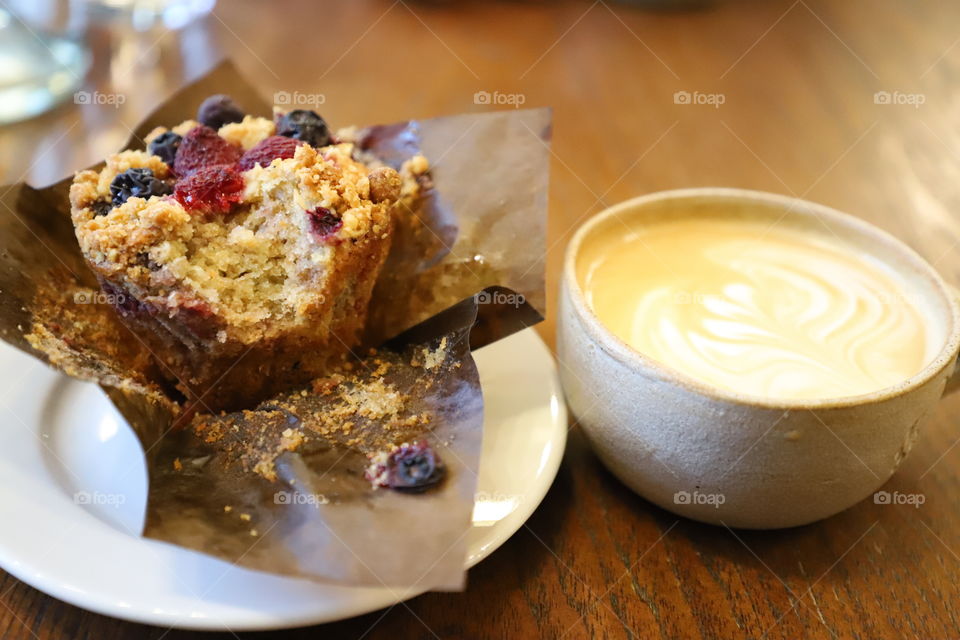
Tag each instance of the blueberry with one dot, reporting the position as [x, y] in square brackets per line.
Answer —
[137, 183]
[101, 208]
[165, 146]
[306, 125]
[144, 260]
[414, 468]
[218, 110]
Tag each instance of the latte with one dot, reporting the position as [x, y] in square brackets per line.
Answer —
[756, 308]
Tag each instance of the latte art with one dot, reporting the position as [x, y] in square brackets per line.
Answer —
[759, 310]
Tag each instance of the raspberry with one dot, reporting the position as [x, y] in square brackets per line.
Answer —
[218, 110]
[210, 190]
[202, 147]
[324, 222]
[267, 150]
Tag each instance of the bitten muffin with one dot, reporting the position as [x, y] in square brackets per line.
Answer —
[241, 250]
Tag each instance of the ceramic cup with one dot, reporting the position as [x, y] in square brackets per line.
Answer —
[721, 457]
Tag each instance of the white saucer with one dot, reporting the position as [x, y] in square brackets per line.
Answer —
[73, 489]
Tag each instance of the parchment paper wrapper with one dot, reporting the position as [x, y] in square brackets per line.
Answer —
[281, 487]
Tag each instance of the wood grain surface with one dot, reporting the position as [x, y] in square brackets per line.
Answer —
[797, 82]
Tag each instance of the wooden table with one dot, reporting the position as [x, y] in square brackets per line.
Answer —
[797, 81]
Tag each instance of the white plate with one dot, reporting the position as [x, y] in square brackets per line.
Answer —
[73, 490]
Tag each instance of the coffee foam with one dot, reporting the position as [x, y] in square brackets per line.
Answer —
[763, 309]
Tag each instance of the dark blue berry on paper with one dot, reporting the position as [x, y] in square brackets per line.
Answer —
[414, 468]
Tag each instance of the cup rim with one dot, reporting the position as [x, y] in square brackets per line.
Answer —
[636, 361]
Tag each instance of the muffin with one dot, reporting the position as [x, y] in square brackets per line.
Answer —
[241, 250]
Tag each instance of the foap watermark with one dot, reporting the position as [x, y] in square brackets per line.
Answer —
[497, 98]
[697, 497]
[499, 297]
[887, 497]
[298, 99]
[899, 98]
[298, 497]
[697, 98]
[490, 508]
[98, 297]
[99, 98]
[911, 299]
[99, 498]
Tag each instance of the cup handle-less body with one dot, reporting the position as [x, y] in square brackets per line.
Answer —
[671, 440]
[953, 382]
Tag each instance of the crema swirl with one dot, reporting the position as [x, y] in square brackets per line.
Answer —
[758, 309]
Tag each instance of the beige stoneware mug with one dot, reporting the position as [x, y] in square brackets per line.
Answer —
[716, 455]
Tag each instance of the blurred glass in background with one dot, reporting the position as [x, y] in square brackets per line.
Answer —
[44, 51]
[42, 57]
[147, 14]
